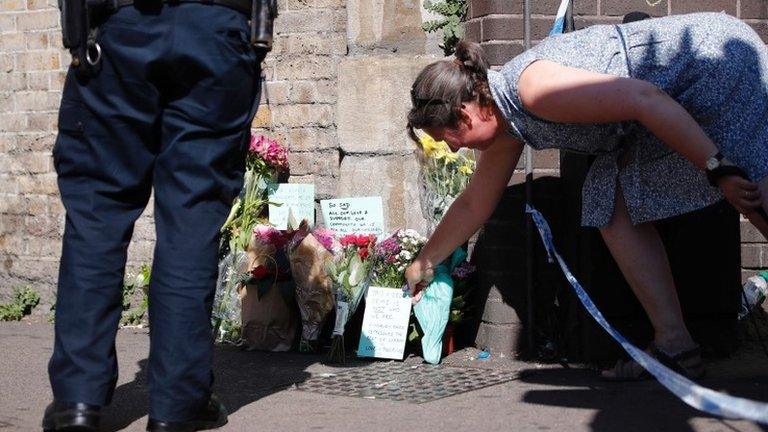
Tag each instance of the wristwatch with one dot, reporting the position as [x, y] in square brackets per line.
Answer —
[718, 166]
[714, 162]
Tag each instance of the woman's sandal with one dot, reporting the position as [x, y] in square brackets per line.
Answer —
[687, 363]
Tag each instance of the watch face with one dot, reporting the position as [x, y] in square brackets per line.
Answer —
[712, 163]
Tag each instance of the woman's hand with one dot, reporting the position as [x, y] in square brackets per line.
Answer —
[418, 275]
[741, 193]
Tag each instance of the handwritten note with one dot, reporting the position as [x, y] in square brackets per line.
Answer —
[385, 323]
[298, 202]
[362, 215]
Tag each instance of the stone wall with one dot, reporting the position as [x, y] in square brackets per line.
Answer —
[337, 99]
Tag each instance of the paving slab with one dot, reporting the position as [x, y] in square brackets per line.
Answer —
[263, 393]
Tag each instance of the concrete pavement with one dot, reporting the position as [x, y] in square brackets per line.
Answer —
[257, 389]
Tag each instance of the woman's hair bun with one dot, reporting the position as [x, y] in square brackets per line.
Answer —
[472, 56]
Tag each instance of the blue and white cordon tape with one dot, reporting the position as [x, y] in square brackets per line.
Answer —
[699, 397]
[559, 25]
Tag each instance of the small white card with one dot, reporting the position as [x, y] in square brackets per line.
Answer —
[298, 203]
[359, 215]
[385, 323]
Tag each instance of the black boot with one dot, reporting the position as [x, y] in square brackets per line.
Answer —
[71, 417]
[212, 416]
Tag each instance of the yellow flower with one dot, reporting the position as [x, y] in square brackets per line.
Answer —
[466, 169]
[451, 157]
[432, 148]
[428, 144]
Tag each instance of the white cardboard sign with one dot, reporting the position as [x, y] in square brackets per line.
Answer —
[385, 323]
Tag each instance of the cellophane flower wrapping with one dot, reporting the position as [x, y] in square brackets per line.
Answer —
[264, 160]
[308, 254]
[349, 271]
[269, 317]
[443, 176]
[226, 302]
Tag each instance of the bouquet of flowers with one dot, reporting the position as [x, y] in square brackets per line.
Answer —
[265, 159]
[443, 176]
[391, 257]
[308, 253]
[267, 295]
[349, 275]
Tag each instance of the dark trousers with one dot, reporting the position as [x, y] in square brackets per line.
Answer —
[170, 111]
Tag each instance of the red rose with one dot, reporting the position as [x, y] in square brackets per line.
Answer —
[260, 272]
[363, 253]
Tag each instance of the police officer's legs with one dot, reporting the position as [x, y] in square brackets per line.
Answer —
[103, 155]
[198, 172]
[104, 173]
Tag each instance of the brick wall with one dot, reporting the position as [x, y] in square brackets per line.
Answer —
[31, 78]
[345, 142]
[498, 26]
[301, 75]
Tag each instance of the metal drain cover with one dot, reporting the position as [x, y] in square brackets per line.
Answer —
[402, 382]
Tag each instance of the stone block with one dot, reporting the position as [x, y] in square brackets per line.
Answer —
[754, 256]
[12, 42]
[320, 115]
[12, 5]
[11, 82]
[277, 91]
[38, 20]
[689, 6]
[385, 25]
[393, 178]
[316, 162]
[374, 100]
[499, 53]
[325, 186]
[305, 21]
[488, 7]
[38, 61]
[309, 139]
[750, 234]
[321, 91]
[306, 67]
[753, 9]
[623, 7]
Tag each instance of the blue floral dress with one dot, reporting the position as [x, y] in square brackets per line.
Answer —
[714, 65]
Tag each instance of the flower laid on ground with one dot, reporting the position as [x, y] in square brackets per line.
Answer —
[308, 254]
[267, 294]
[392, 255]
[349, 275]
[443, 176]
[264, 160]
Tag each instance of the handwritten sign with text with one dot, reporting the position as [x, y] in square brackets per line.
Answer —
[362, 215]
[385, 323]
[298, 202]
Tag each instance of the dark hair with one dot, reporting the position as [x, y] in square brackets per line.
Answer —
[441, 88]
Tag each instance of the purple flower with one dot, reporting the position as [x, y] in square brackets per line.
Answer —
[463, 271]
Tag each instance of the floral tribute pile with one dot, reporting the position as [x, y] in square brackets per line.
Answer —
[277, 289]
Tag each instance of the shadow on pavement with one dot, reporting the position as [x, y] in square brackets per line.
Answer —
[633, 406]
[241, 377]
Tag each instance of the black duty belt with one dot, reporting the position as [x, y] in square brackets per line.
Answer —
[244, 6]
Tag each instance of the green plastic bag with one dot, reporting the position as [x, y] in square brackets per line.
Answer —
[434, 308]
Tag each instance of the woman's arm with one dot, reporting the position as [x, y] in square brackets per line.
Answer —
[471, 209]
[568, 95]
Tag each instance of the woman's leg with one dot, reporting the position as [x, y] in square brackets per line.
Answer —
[641, 256]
